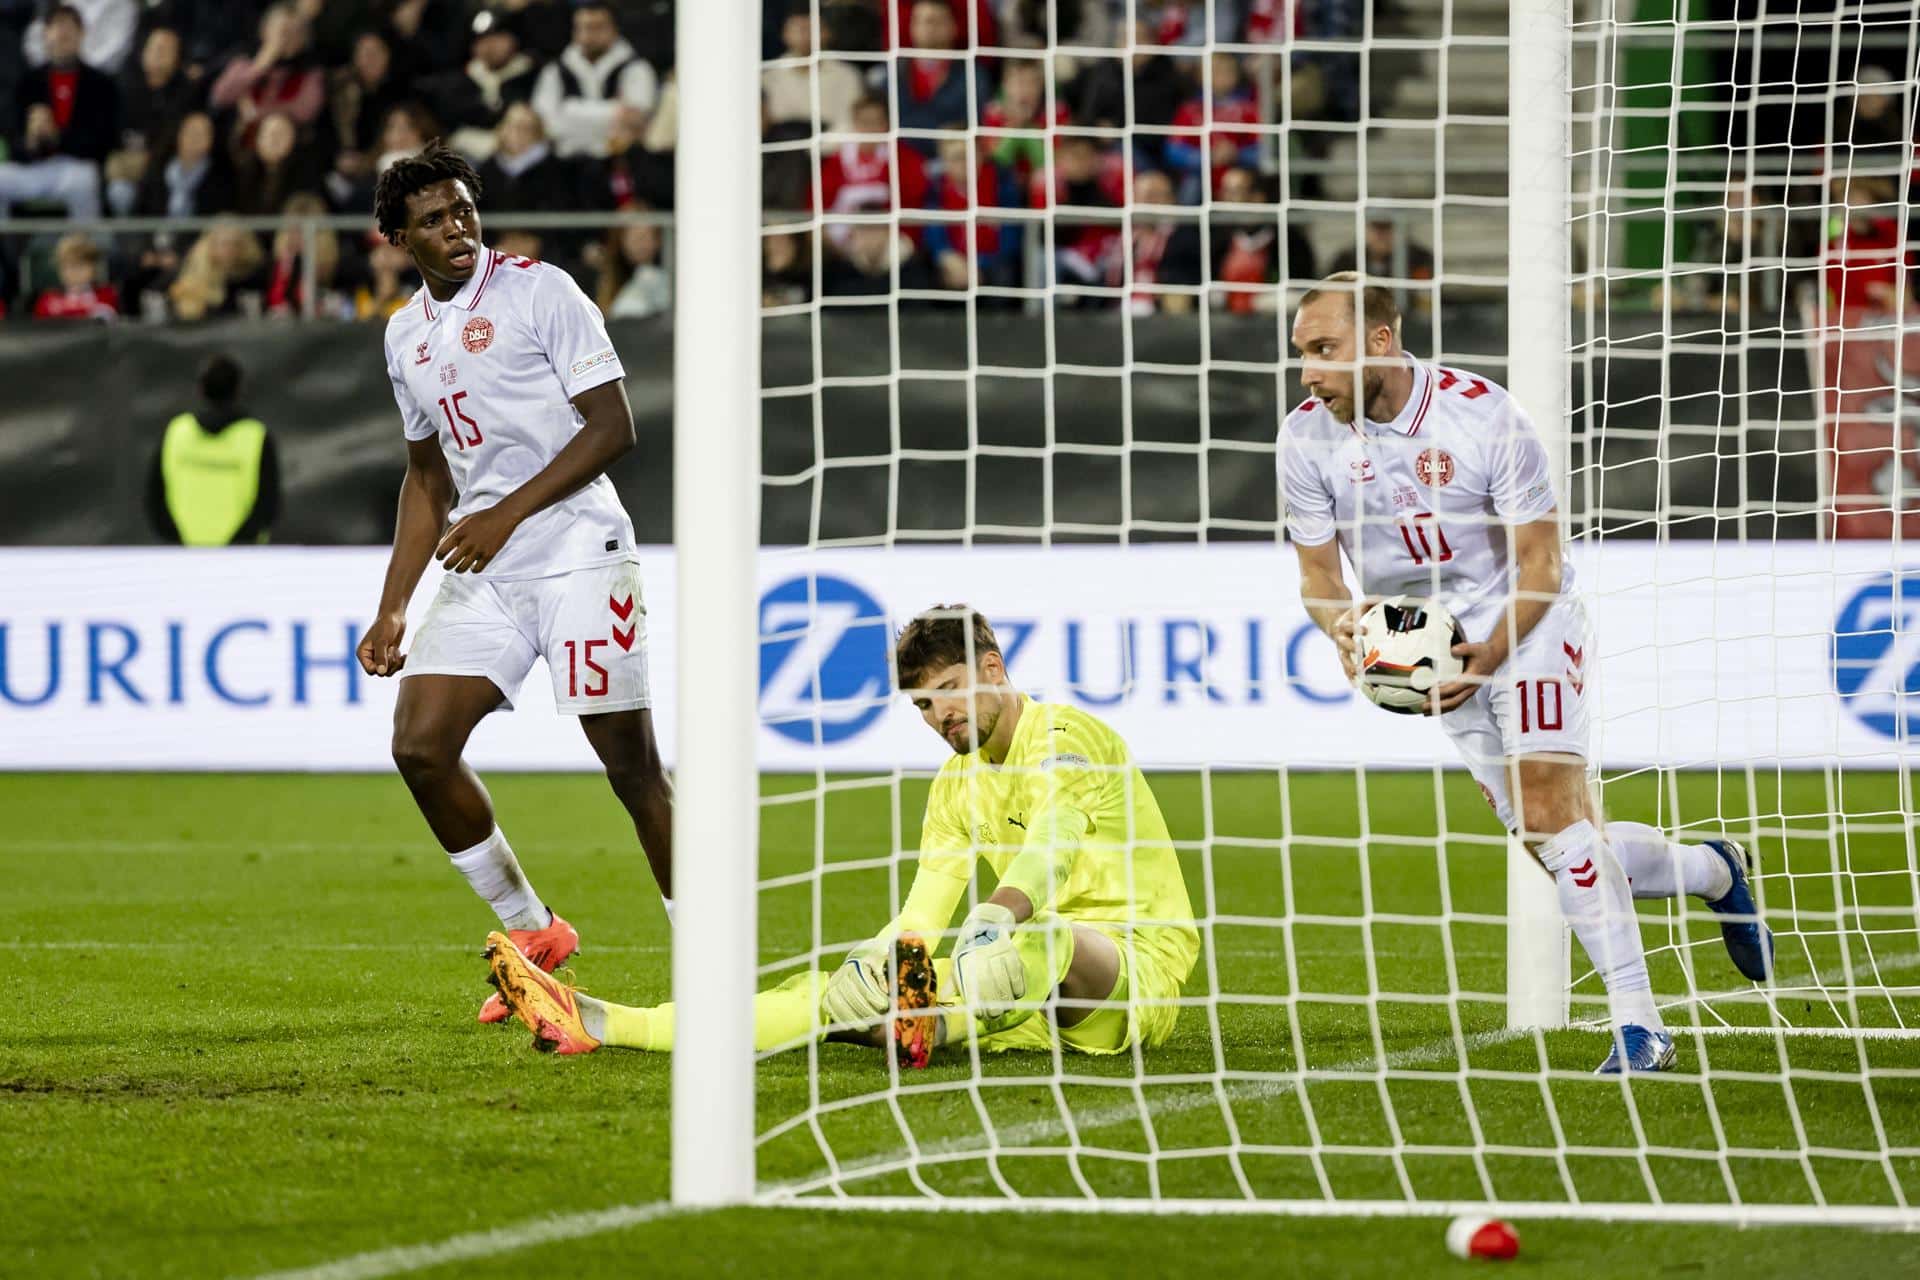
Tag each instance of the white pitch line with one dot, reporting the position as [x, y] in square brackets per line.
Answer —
[576, 1226]
[481, 1244]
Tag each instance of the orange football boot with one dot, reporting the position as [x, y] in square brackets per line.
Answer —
[544, 1003]
[914, 988]
[549, 948]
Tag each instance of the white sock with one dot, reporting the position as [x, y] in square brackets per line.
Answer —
[495, 875]
[1663, 868]
[1596, 901]
[668, 904]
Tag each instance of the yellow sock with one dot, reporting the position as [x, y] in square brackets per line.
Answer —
[630, 1028]
[781, 1016]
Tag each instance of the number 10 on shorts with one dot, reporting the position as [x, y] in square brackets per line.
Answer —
[580, 653]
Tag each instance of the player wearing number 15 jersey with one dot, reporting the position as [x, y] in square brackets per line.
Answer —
[1434, 484]
[512, 400]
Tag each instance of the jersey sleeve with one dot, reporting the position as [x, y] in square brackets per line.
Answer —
[946, 844]
[1309, 505]
[416, 424]
[1075, 762]
[1519, 473]
[572, 332]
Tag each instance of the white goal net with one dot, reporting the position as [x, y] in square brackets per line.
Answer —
[1028, 276]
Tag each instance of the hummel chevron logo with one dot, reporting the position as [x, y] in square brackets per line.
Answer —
[622, 607]
[1575, 656]
[1584, 875]
[623, 636]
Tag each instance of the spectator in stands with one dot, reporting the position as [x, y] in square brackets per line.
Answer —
[634, 281]
[1165, 251]
[639, 167]
[1097, 95]
[471, 101]
[1865, 251]
[578, 93]
[82, 294]
[1184, 22]
[521, 243]
[70, 119]
[427, 35]
[1020, 104]
[979, 14]
[864, 266]
[850, 26]
[934, 92]
[1199, 159]
[1389, 256]
[276, 168]
[788, 91]
[1040, 24]
[159, 93]
[523, 175]
[1084, 251]
[111, 26]
[333, 26]
[786, 273]
[860, 175]
[280, 76]
[389, 284]
[193, 180]
[407, 128]
[210, 30]
[363, 92]
[215, 480]
[220, 276]
[286, 284]
[545, 26]
[1246, 247]
[1721, 241]
[986, 252]
[1870, 128]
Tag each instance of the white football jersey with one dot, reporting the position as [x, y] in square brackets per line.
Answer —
[492, 371]
[1421, 504]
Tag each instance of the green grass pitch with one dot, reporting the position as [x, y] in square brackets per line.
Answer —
[247, 1043]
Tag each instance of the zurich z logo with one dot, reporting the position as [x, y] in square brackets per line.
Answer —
[1876, 655]
[824, 669]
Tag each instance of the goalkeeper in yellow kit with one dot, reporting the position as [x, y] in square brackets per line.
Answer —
[1087, 936]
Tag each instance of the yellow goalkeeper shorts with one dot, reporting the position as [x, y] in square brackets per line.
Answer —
[1143, 1005]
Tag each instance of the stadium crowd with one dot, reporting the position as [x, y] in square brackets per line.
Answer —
[177, 109]
[928, 110]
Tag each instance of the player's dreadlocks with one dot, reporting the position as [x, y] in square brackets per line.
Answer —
[435, 162]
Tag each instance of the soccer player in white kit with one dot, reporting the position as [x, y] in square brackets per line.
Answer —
[1434, 484]
[512, 399]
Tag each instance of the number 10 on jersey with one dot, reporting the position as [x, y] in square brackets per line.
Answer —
[1413, 532]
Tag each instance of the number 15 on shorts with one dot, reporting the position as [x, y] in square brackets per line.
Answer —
[580, 654]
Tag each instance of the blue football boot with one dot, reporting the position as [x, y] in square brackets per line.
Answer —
[1646, 1052]
[1749, 942]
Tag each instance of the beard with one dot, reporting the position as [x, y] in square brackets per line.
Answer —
[1372, 383]
[977, 730]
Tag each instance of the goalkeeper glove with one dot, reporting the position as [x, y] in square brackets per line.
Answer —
[857, 993]
[987, 970]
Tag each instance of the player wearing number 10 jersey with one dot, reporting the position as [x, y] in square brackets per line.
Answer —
[1434, 484]
[513, 404]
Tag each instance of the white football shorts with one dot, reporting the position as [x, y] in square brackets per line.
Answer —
[590, 625]
[1534, 705]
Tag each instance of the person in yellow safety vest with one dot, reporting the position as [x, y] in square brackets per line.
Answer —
[215, 480]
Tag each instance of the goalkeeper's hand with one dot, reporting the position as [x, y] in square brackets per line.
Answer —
[987, 971]
[857, 993]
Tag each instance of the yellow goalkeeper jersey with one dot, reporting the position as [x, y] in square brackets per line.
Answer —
[1063, 761]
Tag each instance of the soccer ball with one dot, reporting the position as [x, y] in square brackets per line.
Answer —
[1406, 651]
